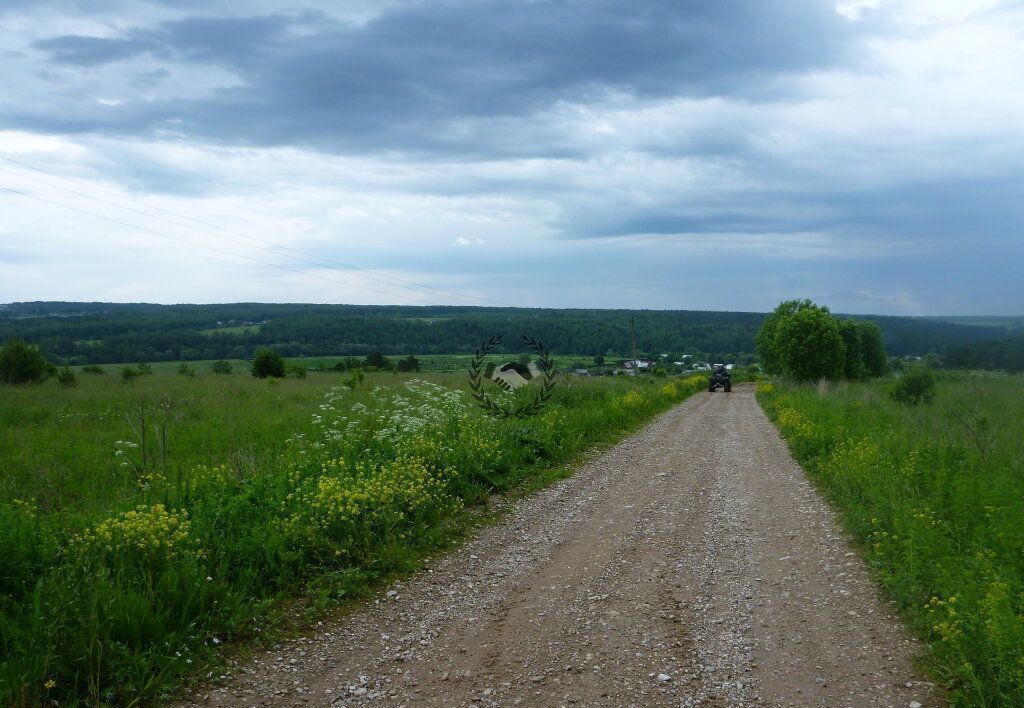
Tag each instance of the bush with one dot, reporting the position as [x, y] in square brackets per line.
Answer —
[410, 363]
[144, 369]
[916, 385]
[266, 363]
[378, 362]
[128, 374]
[222, 367]
[298, 371]
[186, 370]
[93, 369]
[66, 377]
[22, 363]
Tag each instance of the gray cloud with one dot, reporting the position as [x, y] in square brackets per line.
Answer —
[432, 76]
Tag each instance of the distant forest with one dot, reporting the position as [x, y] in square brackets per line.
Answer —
[1006, 354]
[86, 333]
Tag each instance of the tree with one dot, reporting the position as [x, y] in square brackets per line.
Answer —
[267, 363]
[765, 341]
[222, 367]
[872, 349]
[853, 364]
[598, 360]
[22, 363]
[808, 345]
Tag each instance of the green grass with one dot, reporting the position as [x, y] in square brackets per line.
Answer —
[934, 494]
[121, 574]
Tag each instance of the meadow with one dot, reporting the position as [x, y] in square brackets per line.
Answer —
[934, 495]
[146, 525]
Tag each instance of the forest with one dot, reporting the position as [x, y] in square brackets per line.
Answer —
[1005, 354]
[86, 333]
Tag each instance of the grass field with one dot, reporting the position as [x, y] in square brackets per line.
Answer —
[435, 363]
[144, 524]
[934, 494]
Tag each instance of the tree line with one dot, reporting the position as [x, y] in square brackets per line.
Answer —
[94, 333]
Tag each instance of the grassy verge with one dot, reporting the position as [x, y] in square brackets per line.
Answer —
[144, 525]
[935, 496]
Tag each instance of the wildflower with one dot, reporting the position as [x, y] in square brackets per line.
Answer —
[49, 684]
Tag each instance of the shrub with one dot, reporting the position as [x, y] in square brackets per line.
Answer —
[266, 363]
[186, 370]
[21, 363]
[378, 362]
[410, 363]
[916, 385]
[298, 371]
[222, 367]
[93, 369]
[128, 374]
[66, 377]
[144, 369]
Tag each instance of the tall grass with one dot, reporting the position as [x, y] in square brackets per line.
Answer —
[934, 493]
[143, 525]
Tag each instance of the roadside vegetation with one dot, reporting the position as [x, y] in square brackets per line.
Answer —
[147, 519]
[928, 475]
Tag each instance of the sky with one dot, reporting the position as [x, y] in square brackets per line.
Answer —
[677, 154]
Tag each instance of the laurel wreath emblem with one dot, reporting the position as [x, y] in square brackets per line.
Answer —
[523, 410]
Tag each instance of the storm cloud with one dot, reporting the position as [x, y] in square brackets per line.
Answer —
[857, 135]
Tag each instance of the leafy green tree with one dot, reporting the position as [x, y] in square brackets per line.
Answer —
[872, 348]
[853, 361]
[765, 341]
[598, 360]
[22, 363]
[809, 346]
[267, 363]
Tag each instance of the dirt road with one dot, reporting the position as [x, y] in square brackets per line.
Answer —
[693, 564]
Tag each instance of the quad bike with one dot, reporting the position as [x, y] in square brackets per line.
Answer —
[720, 377]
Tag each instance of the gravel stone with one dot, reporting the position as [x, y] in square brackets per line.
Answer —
[694, 553]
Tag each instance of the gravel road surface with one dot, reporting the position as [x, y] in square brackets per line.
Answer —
[692, 564]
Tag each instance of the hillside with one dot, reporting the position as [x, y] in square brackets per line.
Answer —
[79, 333]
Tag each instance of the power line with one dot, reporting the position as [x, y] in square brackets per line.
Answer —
[270, 246]
[193, 243]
